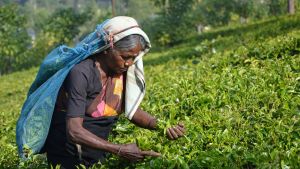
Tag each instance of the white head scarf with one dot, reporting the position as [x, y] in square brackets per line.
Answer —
[118, 28]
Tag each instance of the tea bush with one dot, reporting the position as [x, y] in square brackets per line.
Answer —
[239, 101]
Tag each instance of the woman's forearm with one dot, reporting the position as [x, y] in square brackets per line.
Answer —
[79, 135]
[144, 120]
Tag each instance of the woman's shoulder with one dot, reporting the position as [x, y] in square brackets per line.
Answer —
[85, 66]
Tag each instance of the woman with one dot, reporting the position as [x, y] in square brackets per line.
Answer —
[95, 92]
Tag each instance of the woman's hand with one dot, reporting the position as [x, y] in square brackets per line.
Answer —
[132, 153]
[175, 132]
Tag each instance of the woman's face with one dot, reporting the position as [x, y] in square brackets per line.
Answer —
[119, 61]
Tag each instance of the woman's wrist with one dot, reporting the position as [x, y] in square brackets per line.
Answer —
[119, 150]
[113, 148]
[152, 124]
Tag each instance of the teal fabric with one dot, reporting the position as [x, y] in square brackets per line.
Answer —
[34, 121]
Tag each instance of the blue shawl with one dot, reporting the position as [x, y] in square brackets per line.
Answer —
[34, 121]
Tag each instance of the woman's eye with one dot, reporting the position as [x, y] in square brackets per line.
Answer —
[127, 58]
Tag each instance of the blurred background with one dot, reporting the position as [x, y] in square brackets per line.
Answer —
[30, 28]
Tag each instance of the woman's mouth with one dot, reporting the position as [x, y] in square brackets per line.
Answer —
[123, 70]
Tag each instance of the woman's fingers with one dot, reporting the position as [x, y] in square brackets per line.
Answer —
[136, 157]
[173, 133]
[169, 134]
[178, 131]
[181, 124]
[181, 128]
[150, 153]
[133, 153]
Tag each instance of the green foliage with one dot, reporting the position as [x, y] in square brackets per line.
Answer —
[241, 108]
[244, 8]
[14, 38]
[17, 53]
[171, 26]
[64, 24]
[140, 10]
[168, 23]
[60, 28]
[216, 12]
[178, 18]
[236, 89]
[49, 25]
[276, 7]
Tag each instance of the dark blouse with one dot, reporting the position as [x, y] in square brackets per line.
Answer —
[80, 88]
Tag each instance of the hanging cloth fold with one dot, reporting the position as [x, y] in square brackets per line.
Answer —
[109, 101]
[35, 118]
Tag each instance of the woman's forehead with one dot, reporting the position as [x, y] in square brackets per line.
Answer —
[131, 52]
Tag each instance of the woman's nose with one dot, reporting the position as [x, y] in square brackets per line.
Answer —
[128, 62]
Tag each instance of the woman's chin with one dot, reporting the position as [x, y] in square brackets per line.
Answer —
[120, 72]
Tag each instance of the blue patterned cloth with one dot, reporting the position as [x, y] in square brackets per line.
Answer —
[34, 121]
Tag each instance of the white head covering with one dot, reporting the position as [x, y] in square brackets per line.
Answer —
[118, 28]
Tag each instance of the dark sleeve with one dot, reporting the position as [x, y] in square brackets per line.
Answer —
[76, 87]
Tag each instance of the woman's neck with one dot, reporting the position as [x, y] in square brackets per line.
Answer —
[103, 69]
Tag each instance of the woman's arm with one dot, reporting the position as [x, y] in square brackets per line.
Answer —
[77, 134]
[145, 120]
